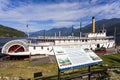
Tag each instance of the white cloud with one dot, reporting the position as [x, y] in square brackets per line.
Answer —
[64, 24]
[62, 14]
[62, 11]
[3, 3]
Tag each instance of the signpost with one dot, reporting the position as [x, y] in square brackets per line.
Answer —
[69, 57]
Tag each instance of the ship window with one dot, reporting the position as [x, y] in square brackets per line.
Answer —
[34, 47]
[59, 41]
[82, 40]
[41, 47]
[75, 40]
[98, 45]
[91, 48]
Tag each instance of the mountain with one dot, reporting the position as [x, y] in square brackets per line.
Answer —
[10, 32]
[62, 31]
[108, 24]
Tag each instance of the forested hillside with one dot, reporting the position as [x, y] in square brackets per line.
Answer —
[10, 32]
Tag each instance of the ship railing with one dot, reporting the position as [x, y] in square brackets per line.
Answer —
[42, 43]
[62, 37]
[69, 37]
[110, 37]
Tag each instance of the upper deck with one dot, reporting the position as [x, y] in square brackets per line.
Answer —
[68, 38]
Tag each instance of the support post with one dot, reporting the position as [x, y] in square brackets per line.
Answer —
[80, 29]
[72, 31]
[55, 34]
[44, 33]
[59, 33]
[89, 71]
[58, 73]
[30, 57]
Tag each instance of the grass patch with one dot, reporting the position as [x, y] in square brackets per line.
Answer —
[50, 71]
[24, 70]
[112, 60]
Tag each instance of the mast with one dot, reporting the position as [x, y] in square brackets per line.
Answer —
[103, 30]
[72, 31]
[115, 35]
[44, 33]
[59, 33]
[55, 34]
[80, 29]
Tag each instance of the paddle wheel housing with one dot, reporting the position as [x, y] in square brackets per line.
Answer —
[15, 46]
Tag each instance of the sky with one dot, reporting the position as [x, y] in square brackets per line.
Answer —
[48, 14]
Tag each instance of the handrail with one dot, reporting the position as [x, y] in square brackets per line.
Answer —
[70, 37]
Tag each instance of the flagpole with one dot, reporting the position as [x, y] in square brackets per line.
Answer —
[27, 30]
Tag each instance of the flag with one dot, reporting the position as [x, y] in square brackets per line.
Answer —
[27, 25]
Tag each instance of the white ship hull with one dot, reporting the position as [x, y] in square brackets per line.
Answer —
[44, 45]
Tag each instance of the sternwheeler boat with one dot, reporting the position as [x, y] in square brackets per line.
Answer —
[43, 44]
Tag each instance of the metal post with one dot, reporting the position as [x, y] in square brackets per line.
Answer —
[59, 33]
[30, 57]
[72, 31]
[55, 34]
[44, 33]
[89, 71]
[58, 73]
[80, 35]
[80, 29]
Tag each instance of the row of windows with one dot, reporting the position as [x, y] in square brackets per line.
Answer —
[41, 48]
[81, 40]
[47, 40]
[84, 40]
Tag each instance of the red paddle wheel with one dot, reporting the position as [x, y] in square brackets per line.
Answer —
[14, 47]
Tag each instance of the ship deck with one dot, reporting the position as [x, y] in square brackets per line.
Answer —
[69, 38]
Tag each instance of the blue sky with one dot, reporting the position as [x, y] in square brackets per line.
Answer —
[47, 14]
